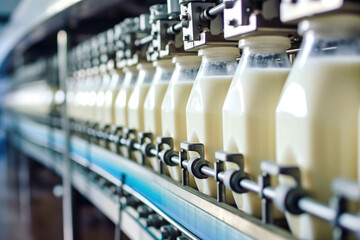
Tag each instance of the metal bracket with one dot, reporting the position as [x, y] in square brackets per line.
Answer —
[231, 177]
[115, 137]
[120, 193]
[130, 136]
[146, 142]
[286, 196]
[195, 164]
[184, 173]
[165, 155]
[344, 190]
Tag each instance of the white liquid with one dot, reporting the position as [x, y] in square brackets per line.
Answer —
[101, 115]
[316, 129]
[249, 124]
[152, 114]
[109, 100]
[34, 98]
[136, 111]
[173, 112]
[121, 106]
[204, 122]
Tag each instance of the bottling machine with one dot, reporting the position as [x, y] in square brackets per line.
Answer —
[255, 158]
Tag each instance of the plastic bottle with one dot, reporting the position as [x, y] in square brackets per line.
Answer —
[101, 115]
[249, 108]
[316, 118]
[173, 108]
[137, 99]
[154, 99]
[122, 99]
[204, 108]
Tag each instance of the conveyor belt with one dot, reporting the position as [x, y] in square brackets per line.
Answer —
[186, 207]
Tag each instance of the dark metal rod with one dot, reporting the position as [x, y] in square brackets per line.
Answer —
[217, 9]
[143, 41]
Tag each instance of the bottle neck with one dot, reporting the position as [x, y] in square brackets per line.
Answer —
[333, 35]
[255, 57]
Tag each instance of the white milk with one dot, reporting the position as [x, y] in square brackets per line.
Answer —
[110, 97]
[249, 109]
[316, 123]
[137, 99]
[173, 109]
[88, 97]
[204, 107]
[316, 118]
[101, 116]
[204, 120]
[153, 101]
[121, 104]
[249, 125]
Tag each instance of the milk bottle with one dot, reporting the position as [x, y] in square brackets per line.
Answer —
[249, 108]
[137, 99]
[154, 99]
[316, 118]
[101, 116]
[82, 87]
[117, 77]
[122, 100]
[173, 108]
[90, 98]
[204, 107]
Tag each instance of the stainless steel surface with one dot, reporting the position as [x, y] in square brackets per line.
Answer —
[245, 19]
[173, 7]
[62, 42]
[198, 33]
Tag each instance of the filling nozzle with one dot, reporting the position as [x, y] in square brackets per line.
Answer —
[243, 18]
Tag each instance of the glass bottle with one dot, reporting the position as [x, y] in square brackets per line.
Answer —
[122, 99]
[249, 108]
[137, 99]
[153, 101]
[173, 108]
[316, 118]
[204, 107]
